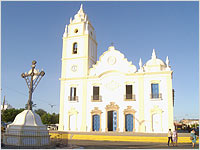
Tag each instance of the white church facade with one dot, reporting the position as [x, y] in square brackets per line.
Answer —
[111, 94]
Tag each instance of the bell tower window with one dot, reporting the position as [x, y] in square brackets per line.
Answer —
[74, 48]
[76, 31]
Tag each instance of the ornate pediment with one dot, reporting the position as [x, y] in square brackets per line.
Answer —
[72, 111]
[129, 110]
[112, 106]
[112, 61]
[156, 109]
[96, 111]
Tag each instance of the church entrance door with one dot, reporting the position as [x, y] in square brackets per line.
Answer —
[72, 121]
[112, 120]
[95, 122]
[129, 122]
[156, 123]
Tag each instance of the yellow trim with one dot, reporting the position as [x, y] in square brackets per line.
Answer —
[63, 59]
[61, 116]
[84, 109]
[155, 81]
[141, 104]
[170, 103]
[129, 83]
[153, 139]
[96, 77]
[71, 24]
[96, 84]
[110, 71]
[78, 36]
[151, 73]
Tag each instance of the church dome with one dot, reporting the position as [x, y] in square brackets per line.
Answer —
[156, 61]
[154, 64]
[27, 118]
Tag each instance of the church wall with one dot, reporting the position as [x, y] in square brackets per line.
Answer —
[80, 64]
[112, 89]
[111, 73]
[77, 105]
[149, 103]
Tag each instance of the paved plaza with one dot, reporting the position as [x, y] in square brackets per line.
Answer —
[125, 145]
[83, 144]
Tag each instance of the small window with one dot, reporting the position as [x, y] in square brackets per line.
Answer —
[76, 31]
[75, 45]
[129, 93]
[154, 90]
[95, 90]
[73, 96]
[72, 91]
[96, 97]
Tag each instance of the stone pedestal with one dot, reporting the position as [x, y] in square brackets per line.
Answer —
[27, 130]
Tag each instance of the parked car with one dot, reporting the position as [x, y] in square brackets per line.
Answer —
[52, 127]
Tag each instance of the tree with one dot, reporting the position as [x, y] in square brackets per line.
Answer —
[40, 112]
[33, 105]
[9, 115]
[46, 119]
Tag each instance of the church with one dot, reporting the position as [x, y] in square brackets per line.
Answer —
[111, 94]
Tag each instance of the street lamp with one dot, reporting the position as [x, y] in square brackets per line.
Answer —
[32, 79]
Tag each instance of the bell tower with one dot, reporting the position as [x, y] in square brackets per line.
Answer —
[79, 46]
[79, 53]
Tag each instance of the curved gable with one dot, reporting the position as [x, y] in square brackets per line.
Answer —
[112, 60]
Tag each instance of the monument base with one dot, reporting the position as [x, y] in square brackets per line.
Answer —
[27, 130]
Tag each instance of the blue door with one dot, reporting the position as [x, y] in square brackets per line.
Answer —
[129, 122]
[114, 120]
[96, 122]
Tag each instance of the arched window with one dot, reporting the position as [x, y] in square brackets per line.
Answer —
[75, 48]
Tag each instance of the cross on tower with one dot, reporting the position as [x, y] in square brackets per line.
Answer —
[32, 81]
[112, 44]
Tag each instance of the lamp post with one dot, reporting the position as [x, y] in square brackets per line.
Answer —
[32, 79]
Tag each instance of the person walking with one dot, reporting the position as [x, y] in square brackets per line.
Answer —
[193, 137]
[170, 137]
[175, 137]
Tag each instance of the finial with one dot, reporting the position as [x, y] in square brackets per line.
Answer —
[140, 63]
[71, 20]
[81, 9]
[153, 54]
[167, 61]
[112, 44]
[86, 18]
[66, 29]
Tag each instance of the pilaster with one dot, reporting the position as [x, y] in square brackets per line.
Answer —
[141, 104]
[170, 102]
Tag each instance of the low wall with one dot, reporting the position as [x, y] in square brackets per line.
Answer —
[117, 136]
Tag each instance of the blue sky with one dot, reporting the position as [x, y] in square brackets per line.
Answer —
[33, 31]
